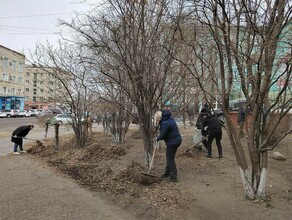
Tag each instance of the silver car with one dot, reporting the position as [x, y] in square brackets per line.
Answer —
[64, 118]
[8, 113]
[21, 113]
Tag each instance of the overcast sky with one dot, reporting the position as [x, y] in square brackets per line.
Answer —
[23, 23]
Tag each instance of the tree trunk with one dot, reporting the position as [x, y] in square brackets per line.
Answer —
[247, 185]
[261, 189]
[57, 135]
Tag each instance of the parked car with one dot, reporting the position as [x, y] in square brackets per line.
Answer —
[64, 118]
[55, 111]
[234, 105]
[21, 113]
[31, 113]
[44, 113]
[8, 113]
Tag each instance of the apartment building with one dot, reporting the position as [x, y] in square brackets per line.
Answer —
[11, 79]
[25, 86]
[39, 87]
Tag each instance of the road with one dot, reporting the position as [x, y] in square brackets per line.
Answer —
[11, 123]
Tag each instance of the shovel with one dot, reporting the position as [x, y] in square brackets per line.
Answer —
[32, 139]
[151, 162]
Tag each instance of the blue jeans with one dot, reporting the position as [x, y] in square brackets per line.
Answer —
[170, 169]
[16, 146]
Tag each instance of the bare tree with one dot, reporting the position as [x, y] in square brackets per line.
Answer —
[69, 86]
[129, 43]
[244, 38]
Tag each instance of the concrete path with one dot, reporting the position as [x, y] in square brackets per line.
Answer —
[30, 191]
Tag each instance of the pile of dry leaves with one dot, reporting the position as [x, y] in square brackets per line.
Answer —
[92, 167]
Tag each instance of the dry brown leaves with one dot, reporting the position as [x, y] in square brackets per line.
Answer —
[91, 166]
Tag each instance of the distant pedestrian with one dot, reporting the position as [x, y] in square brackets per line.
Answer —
[169, 132]
[89, 124]
[241, 120]
[106, 121]
[17, 137]
[214, 127]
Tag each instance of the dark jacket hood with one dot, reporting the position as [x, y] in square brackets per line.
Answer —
[166, 114]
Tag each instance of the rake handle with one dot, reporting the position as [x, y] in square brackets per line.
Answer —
[152, 158]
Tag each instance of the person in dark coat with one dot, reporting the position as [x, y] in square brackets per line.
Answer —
[199, 125]
[17, 137]
[241, 119]
[169, 132]
[214, 127]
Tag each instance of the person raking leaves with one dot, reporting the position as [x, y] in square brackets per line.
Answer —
[169, 132]
[17, 137]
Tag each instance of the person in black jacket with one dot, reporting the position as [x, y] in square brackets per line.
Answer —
[199, 125]
[169, 132]
[214, 126]
[17, 137]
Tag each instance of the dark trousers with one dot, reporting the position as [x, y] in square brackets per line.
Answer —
[170, 169]
[204, 134]
[217, 135]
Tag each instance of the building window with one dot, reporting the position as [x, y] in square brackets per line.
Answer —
[19, 80]
[42, 99]
[26, 89]
[26, 82]
[4, 90]
[19, 92]
[5, 63]
[42, 90]
[20, 67]
[13, 65]
[12, 78]
[34, 98]
[12, 91]
[35, 76]
[34, 83]
[5, 77]
[34, 91]
[27, 74]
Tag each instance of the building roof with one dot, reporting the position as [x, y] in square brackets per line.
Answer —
[12, 50]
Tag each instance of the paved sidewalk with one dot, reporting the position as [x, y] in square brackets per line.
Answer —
[30, 191]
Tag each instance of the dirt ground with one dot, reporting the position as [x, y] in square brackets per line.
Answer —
[207, 188]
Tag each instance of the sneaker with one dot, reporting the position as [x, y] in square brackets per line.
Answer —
[23, 151]
[209, 156]
[220, 156]
[16, 153]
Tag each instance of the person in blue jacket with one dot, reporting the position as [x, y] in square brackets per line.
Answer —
[169, 132]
